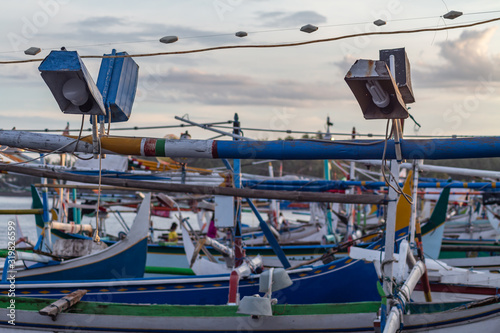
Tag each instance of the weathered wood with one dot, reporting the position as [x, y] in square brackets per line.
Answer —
[86, 187]
[62, 304]
[198, 189]
[468, 248]
[20, 211]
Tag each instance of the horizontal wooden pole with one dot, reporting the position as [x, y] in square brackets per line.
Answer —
[87, 187]
[198, 189]
[20, 211]
[469, 248]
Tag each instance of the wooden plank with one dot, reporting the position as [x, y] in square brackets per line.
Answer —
[198, 189]
[20, 211]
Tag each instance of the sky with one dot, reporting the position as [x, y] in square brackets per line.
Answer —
[455, 74]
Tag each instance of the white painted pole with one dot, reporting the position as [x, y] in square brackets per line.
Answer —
[413, 220]
[444, 169]
[392, 324]
[390, 229]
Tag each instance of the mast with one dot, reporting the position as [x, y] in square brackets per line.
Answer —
[239, 253]
[327, 169]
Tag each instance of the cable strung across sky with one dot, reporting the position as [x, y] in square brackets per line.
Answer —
[226, 47]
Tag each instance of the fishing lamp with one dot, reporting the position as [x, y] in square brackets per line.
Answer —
[398, 63]
[117, 82]
[376, 90]
[71, 84]
[271, 280]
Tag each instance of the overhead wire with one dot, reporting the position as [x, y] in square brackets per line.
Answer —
[127, 128]
[253, 32]
[288, 131]
[247, 46]
[336, 133]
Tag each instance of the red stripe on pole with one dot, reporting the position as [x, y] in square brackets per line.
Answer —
[214, 150]
[150, 147]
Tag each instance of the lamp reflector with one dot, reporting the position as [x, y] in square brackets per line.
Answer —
[71, 84]
[280, 278]
[76, 91]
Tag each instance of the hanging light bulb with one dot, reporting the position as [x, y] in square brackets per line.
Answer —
[75, 90]
[379, 96]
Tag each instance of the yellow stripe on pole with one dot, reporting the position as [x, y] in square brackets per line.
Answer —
[119, 145]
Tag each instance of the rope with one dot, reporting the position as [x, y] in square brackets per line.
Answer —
[97, 239]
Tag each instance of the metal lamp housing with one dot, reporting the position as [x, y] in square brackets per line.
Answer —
[364, 71]
[57, 69]
[402, 71]
[117, 82]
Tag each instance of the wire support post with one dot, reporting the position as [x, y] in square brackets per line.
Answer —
[95, 138]
[398, 136]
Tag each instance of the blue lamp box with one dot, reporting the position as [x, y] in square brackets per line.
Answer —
[117, 83]
[71, 84]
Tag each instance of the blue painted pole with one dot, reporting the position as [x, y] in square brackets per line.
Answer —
[270, 237]
[432, 149]
[325, 185]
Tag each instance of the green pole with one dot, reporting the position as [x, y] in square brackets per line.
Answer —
[76, 211]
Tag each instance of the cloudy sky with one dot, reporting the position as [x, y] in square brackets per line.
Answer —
[455, 74]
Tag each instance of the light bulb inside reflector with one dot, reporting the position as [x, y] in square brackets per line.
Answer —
[379, 96]
[75, 91]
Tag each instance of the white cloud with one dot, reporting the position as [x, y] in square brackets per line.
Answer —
[200, 87]
[466, 59]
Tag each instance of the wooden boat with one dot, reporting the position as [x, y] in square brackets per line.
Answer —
[124, 259]
[171, 258]
[339, 317]
[481, 254]
[322, 284]
[326, 283]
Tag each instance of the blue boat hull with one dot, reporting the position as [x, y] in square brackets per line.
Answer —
[327, 283]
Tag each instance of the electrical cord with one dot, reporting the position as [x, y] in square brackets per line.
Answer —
[96, 237]
[385, 168]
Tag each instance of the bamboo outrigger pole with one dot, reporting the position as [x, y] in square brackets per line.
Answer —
[433, 149]
[198, 189]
